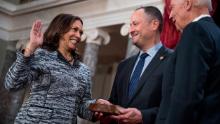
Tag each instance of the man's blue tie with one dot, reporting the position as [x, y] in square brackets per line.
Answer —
[136, 75]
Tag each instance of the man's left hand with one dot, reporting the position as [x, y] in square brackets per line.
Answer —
[128, 116]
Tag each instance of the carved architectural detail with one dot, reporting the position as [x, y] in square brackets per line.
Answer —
[21, 44]
[125, 29]
[131, 49]
[94, 38]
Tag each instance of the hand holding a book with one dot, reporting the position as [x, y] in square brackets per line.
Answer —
[107, 112]
[128, 116]
[99, 108]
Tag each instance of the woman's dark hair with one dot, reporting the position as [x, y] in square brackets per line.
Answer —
[60, 25]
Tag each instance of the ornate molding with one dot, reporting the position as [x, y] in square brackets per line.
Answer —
[21, 43]
[97, 36]
[13, 10]
[106, 13]
[125, 29]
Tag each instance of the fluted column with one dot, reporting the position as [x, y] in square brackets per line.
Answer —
[94, 39]
[131, 49]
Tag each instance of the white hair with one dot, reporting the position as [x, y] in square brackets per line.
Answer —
[207, 3]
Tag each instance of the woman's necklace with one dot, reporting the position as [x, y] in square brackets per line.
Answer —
[68, 57]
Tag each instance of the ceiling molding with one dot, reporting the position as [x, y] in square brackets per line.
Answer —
[95, 15]
[12, 9]
[116, 16]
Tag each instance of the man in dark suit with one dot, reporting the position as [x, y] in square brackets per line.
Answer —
[140, 94]
[191, 84]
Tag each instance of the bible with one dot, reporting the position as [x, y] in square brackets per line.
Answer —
[106, 109]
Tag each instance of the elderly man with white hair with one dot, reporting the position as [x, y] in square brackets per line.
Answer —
[191, 84]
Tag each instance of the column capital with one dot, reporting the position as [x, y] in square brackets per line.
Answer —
[125, 29]
[21, 43]
[97, 36]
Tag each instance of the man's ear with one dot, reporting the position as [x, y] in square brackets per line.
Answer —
[155, 24]
[188, 4]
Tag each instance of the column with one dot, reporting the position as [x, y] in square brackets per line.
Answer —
[131, 49]
[94, 39]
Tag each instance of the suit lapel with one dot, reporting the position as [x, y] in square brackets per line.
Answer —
[155, 62]
[129, 67]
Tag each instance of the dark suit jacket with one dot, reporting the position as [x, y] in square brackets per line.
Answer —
[148, 94]
[191, 85]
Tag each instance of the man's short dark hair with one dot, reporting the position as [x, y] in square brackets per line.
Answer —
[155, 13]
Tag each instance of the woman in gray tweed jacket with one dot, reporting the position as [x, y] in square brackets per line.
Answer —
[60, 83]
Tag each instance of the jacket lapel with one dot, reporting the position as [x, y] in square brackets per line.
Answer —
[155, 62]
[129, 67]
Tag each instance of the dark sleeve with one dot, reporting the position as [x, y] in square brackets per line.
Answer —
[149, 115]
[114, 94]
[192, 65]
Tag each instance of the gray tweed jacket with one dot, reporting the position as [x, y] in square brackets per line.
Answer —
[59, 91]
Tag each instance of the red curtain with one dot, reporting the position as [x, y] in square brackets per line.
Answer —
[216, 11]
[170, 36]
[214, 6]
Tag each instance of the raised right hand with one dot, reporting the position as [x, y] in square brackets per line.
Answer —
[36, 38]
